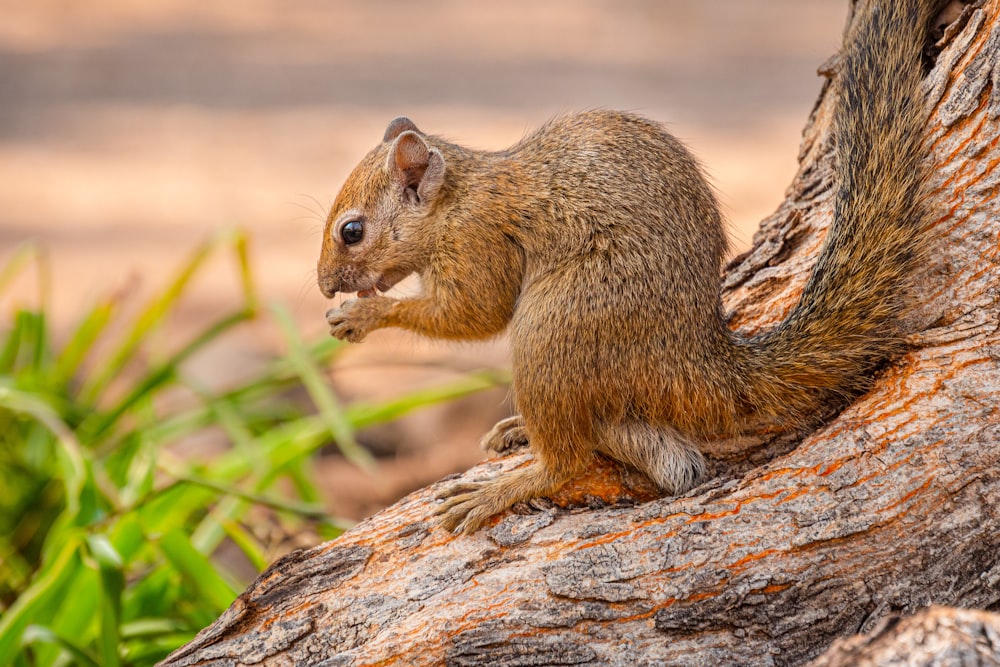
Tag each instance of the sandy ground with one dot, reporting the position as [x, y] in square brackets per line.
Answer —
[131, 131]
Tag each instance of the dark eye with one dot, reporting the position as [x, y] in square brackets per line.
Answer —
[352, 232]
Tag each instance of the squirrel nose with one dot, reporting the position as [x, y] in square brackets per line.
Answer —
[328, 288]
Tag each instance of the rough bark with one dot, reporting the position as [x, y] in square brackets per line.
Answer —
[935, 636]
[894, 505]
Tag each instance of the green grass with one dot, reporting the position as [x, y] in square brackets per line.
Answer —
[108, 537]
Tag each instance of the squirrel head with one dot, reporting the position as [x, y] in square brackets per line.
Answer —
[377, 231]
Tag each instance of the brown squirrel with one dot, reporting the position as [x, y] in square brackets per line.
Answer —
[597, 240]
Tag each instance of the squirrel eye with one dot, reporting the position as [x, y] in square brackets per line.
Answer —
[352, 232]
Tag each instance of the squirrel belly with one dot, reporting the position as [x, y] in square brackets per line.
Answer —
[598, 242]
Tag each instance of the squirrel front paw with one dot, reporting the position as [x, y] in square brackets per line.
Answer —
[506, 434]
[354, 319]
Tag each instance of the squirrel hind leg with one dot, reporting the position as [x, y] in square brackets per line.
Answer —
[663, 454]
[671, 460]
[468, 506]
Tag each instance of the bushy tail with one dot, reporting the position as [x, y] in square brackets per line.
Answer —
[846, 323]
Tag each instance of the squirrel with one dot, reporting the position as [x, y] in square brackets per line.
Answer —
[598, 242]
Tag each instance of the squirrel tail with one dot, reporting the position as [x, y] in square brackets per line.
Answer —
[847, 321]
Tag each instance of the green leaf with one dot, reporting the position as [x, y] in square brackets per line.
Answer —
[141, 475]
[156, 312]
[246, 543]
[362, 415]
[74, 613]
[11, 347]
[98, 424]
[50, 583]
[152, 651]
[301, 477]
[151, 627]
[127, 536]
[315, 510]
[23, 256]
[82, 341]
[326, 402]
[39, 343]
[26, 350]
[70, 455]
[252, 398]
[197, 570]
[109, 565]
[36, 634]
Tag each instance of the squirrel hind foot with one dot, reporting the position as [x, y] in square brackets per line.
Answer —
[468, 506]
[506, 435]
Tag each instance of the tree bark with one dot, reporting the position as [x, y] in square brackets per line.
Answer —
[934, 636]
[892, 506]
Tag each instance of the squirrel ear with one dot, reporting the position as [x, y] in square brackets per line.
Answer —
[397, 126]
[415, 166]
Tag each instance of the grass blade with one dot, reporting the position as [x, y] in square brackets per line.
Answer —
[362, 415]
[313, 511]
[110, 568]
[23, 256]
[151, 627]
[85, 335]
[29, 605]
[250, 547]
[24, 349]
[253, 397]
[326, 402]
[198, 570]
[36, 634]
[99, 423]
[158, 309]
[71, 459]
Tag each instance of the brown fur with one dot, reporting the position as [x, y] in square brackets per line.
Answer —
[597, 240]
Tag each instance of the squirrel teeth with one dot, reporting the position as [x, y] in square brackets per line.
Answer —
[366, 293]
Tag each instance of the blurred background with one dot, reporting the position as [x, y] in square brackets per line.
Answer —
[132, 130]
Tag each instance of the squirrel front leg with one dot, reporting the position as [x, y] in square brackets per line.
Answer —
[354, 319]
[396, 217]
[436, 315]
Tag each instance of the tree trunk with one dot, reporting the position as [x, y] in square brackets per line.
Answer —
[894, 505]
[935, 636]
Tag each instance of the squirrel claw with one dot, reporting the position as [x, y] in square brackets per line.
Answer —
[506, 435]
[454, 490]
[467, 506]
[355, 318]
